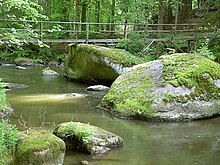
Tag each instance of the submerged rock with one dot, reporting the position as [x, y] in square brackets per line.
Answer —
[8, 64]
[14, 86]
[92, 64]
[39, 148]
[87, 138]
[177, 87]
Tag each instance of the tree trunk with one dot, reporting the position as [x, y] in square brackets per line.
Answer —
[177, 14]
[83, 17]
[201, 3]
[168, 13]
[185, 9]
[98, 6]
[71, 10]
[113, 16]
[161, 14]
[77, 18]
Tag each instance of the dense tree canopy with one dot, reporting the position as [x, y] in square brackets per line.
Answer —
[151, 11]
[112, 11]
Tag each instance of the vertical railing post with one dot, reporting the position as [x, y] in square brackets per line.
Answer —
[76, 30]
[41, 31]
[196, 35]
[87, 33]
[125, 30]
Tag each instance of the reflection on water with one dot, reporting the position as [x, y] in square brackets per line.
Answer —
[145, 143]
[48, 98]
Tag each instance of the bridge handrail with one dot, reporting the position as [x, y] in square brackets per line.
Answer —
[123, 28]
[94, 23]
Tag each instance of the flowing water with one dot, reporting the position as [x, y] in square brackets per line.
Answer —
[145, 143]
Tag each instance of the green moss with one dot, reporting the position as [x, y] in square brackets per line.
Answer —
[38, 141]
[118, 56]
[192, 70]
[80, 131]
[22, 59]
[133, 94]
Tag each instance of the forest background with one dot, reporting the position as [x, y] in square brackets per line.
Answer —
[206, 13]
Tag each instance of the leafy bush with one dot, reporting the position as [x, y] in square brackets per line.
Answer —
[8, 141]
[205, 49]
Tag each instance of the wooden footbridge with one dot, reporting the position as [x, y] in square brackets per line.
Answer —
[97, 33]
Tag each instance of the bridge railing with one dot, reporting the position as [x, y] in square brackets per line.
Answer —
[57, 31]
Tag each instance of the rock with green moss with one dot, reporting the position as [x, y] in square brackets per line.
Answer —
[24, 61]
[92, 64]
[87, 138]
[39, 148]
[178, 87]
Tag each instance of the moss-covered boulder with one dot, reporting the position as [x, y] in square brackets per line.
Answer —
[176, 87]
[87, 138]
[39, 148]
[24, 61]
[92, 64]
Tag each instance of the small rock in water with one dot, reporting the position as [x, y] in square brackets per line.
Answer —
[97, 88]
[8, 64]
[50, 73]
[20, 67]
[74, 94]
[84, 162]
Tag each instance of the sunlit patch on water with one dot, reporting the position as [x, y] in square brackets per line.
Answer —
[48, 97]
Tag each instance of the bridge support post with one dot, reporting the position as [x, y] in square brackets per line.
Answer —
[87, 33]
[126, 30]
[41, 31]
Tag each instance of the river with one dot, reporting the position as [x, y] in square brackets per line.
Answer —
[145, 143]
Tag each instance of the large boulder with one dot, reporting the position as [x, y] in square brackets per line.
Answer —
[176, 87]
[39, 148]
[92, 64]
[87, 138]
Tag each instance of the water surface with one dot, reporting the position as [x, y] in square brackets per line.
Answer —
[145, 143]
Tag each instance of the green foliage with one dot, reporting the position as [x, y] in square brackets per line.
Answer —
[19, 10]
[47, 69]
[122, 44]
[204, 50]
[3, 101]
[8, 141]
[214, 46]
